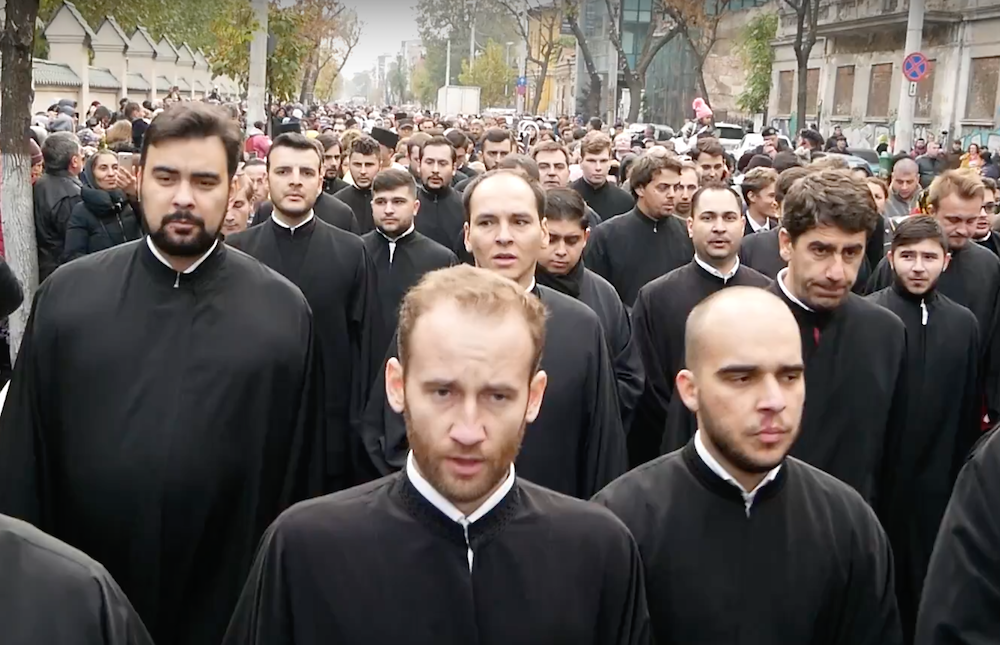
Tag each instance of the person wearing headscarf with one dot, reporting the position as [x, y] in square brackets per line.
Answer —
[104, 218]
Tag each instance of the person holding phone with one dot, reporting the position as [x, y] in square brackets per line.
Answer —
[104, 218]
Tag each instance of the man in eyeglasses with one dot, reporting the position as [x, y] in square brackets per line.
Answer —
[983, 234]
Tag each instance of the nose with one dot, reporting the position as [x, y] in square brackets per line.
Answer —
[773, 397]
[717, 226]
[504, 233]
[468, 431]
[918, 265]
[183, 197]
[835, 270]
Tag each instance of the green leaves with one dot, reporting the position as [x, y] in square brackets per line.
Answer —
[754, 48]
[491, 73]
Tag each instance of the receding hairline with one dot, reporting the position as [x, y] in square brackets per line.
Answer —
[906, 166]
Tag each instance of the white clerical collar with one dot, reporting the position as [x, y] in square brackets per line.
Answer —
[754, 226]
[282, 224]
[393, 240]
[716, 467]
[788, 294]
[983, 238]
[725, 277]
[450, 510]
[194, 265]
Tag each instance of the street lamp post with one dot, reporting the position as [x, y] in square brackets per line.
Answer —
[506, 85]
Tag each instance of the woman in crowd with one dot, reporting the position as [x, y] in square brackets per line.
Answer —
[104, 218]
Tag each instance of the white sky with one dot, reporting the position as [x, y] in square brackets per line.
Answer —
[386, 24]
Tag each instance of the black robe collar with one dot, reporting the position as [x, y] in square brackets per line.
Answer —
[716, 485]
[571, 284]
[300, 232]
[652, 224]
[166, 275]
[438, 194]
[928, 298]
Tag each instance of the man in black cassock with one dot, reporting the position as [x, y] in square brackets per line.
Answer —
[942, 346]
[577, 444]
[647, 242]
[741, 542]
[973, 276]
[600, 194]
[334, 271]
[661, 310]
[984, 235]
[327, 208]
[332, 163]
[552, 159]
[364, 163]
[441, 212]
[458, 546]
[961, 598]
[54, 594]
[164, 409]
[561, 267]
[400, 253]
[496, 145]
[855, 351]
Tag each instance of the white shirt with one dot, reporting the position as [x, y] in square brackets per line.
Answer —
[788, 294]
[194, 265]
[758, 227]
[282, 224]
[718, 274]
[531, 287]
[716, 467]
[393, 240]
[450, 511]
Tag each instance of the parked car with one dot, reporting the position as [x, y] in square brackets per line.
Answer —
[730, 136]
[663, 132]
[754, 139]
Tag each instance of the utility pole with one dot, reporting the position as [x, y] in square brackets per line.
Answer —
[447, 65]
[472, 35]
[914, 38]
[258, 65]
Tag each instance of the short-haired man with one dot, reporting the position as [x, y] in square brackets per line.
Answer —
[401, 253]
[55, 195]
[905, 191]
[931, 164]
[576, 445]
[710, 157]
[685, 189]
[494, 146]
[942, 346]
[759, 186]
[561, 267]
[762, 251]
[737, 537]
[332, 165]
[646, 243]
[160, 413]
[600, 194]
[256, 170]
[854, 350]
[661, 310]
[984, 235]
[973, 276]
[442, 215]
[241, 204]
[831, 142]
[553, 170]
[460, 142]
[459, 539]
[413, 146]
[365, 161]
[335, 273]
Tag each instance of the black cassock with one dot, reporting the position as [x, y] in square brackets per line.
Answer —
[360, 201]
[332, 185]
[659, 318]
[54, 594]
[327, 208]
[761, 252]
[972, 280]
[961, 600]
[632, 250]
[399, 265]
[942, 346]
[333, 270]
[577, 444]
[538, 568]
[598, 294]
[804, 562]
[990, 243]
[160, 421]
[441, 217]
[856, 373]
[608, 200]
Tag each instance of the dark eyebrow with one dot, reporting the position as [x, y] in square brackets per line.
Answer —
[753, 369]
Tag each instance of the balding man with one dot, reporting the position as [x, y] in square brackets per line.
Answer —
[737, 537]
[905, 191]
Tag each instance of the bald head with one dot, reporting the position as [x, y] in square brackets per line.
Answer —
[905, 166]
[905, 178]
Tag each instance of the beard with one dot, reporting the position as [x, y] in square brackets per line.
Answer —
[730, 451]
[459, 491]
[184, 247]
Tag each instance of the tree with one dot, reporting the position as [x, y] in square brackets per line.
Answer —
[543, 36]
[806, 19]
[698, 21]
[16, 46]
[332, 32]
[424, 88]
[662, 29]
[395, 78]
[592, 103]
[329, 85]
[491, 73]
[754, 48]
[439, 21]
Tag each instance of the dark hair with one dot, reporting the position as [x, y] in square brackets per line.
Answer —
[254, 162]
[756, 180]
[549, 146]
[470, 190]
[195, 120]
[440, 141]
[813, 137]
[393, 178]
[646, 167]
[521, 162]
[917, 229]
[785, 160]
[787, 179]
[596, 123]
[296, 141]
[328, 140]
[989, 183]
[417, 139]
[131, 109]
[365, 145]
[831, 198]
[708, 146]
[715, 186]
[566, 205]
[58, 151]
[496, 135]
[457, 138]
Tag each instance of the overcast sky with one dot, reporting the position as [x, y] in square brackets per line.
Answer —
[386, 23]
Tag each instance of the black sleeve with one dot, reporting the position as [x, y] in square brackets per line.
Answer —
[970, 422]
[625, 354]
[383, 430]
[11, 293]
[77, 241]
[655, 393]
[121, 624]
[881, 277]
[595, 256]
[263, 612]
[895, 434]
[367, 334]
[605, 452]
[624, 614]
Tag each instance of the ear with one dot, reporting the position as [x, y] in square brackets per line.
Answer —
[536, 390]
[785, 244]
[465, 237]
[586, 236]
[689, 223]
[234, 185]
[947, 261]
[416, 207]
[545, 232]
[394, 385]
[687, 387]
[888, 256]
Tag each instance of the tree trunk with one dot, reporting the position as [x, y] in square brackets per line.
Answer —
[592, 105]
[310, 77]
[543, 73]
[699, 70]
[635, 84]
[802, 96]
[16, 44]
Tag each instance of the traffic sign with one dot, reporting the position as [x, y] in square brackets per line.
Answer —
[522, 81]
[916, 67]
[522, 90]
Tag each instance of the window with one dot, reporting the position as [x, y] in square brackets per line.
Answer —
[925, 95]
[785, 85]
[981, 103]
[843, 91]
[812, 90]
[878, 90]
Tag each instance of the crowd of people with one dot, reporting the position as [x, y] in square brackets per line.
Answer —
[372, 376]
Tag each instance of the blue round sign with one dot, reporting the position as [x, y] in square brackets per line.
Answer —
[916, 67]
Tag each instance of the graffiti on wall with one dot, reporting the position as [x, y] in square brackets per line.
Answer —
[983, 138]
[868, 135]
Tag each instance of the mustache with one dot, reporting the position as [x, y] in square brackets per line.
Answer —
[183, 217]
